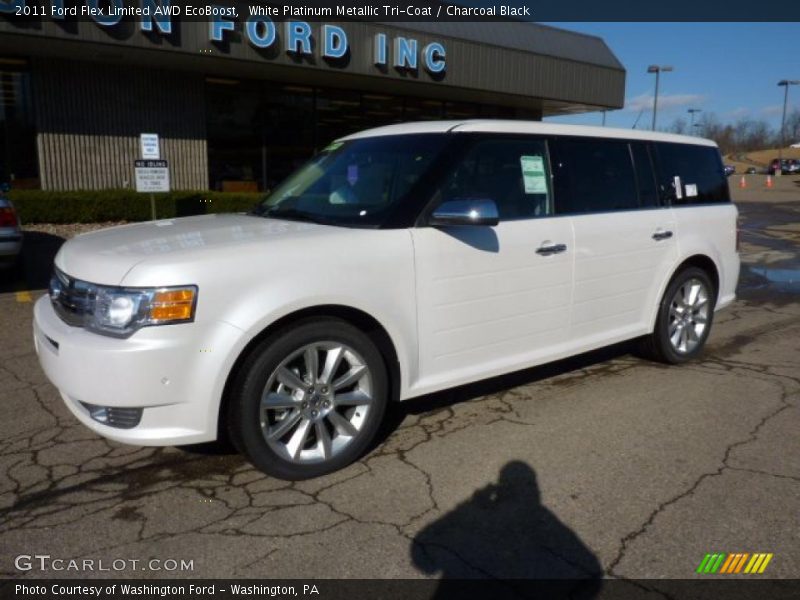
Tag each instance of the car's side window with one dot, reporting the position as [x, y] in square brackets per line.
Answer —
[591, 175]
[512, 172]
[691, 174]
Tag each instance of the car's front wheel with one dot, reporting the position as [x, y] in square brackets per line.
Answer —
[309, 399]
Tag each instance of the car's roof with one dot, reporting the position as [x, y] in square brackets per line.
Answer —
[530, 127]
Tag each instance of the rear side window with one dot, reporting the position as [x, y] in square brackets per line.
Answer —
[691, 174]
[593, 176]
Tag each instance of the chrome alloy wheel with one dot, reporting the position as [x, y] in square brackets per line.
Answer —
[688, 315]
[316, 402]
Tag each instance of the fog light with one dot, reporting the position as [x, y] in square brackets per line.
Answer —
[114, 416]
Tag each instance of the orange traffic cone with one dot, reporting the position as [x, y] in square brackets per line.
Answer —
[769, 181]
[742, 182]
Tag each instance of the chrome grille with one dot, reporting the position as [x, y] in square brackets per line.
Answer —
[72, 299]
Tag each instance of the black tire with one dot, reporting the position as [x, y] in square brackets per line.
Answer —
[244, 417]
[657, 345]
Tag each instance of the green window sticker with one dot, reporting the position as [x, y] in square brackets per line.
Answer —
[533, 175]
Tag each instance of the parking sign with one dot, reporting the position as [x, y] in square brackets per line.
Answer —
[152, 175]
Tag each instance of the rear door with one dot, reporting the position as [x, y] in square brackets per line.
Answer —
[624, 238]
[491, 299]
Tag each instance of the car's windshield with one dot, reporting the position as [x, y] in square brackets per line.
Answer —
[354, 183]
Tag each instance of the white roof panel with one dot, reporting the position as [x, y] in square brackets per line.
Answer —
[530, 127]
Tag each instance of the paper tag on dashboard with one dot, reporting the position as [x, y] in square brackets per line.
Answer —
[678, 190]
[691, 190]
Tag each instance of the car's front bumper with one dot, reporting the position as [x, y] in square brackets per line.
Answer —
[175, 373]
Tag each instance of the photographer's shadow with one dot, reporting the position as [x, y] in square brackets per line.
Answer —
[504, 532]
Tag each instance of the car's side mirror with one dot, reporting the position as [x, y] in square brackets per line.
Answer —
[465, 211]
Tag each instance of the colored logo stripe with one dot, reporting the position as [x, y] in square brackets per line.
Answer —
[723, 563]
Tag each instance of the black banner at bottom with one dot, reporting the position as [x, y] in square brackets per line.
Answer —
[733, 588]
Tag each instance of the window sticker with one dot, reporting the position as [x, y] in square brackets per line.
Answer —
[691, 190]
[678, 189]
[533, 176]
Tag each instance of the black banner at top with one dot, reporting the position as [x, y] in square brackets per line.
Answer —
[111, 12]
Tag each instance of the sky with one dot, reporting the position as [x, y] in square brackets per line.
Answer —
[730, 69]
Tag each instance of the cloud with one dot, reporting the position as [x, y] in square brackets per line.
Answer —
[772, 111]
[665, 101]
[737, 113]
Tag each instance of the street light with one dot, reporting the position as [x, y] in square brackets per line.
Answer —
[692, 112]
[657, 69]
[785, 83]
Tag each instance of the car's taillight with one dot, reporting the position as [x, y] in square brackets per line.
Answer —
[8, 217]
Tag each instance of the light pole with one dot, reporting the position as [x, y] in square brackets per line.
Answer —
[657, 69]
[785, 83]
[692, 112]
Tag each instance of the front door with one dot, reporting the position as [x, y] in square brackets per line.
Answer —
[494, 299]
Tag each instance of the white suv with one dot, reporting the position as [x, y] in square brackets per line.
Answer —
[397, 262]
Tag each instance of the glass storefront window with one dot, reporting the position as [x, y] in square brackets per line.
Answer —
[18, 162]
[260, 132]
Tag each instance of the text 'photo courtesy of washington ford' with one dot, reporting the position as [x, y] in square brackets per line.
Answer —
[397, 262]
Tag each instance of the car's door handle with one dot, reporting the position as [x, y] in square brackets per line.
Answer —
[662, 235]
[551, 249]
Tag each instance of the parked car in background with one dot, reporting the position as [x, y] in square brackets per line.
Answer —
[398, 262]
[787, 166]
[10, 232]
[751, 171]
[797, 145]
[729, 170]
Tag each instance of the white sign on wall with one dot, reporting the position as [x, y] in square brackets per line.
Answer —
[152, 176]
[150, 149]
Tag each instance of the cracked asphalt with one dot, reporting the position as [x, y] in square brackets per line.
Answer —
[603, 465]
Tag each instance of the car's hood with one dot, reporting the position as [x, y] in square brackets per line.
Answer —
[105, 256]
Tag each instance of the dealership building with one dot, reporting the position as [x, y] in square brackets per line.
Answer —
[238, 101]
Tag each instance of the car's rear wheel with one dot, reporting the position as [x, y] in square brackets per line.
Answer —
[309, 399]
[684, 318]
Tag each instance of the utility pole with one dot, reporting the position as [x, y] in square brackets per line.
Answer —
[692, 112]
[657, 69]
[785, 83]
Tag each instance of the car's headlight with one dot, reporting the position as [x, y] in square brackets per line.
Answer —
[120, 311]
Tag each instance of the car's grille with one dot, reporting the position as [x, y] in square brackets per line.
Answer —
[73, 300]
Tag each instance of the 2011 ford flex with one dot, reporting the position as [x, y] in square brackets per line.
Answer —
[399, 261]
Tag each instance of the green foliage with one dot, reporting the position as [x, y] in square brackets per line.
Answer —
[96, 206]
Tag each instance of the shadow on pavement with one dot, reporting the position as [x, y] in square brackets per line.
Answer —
[503, 531]
[38, 251]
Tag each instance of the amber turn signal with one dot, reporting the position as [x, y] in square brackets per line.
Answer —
[173, 305]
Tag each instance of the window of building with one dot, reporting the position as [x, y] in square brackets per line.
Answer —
[257, 133]
[260, 132]
[512, 173]
[18, 158]
[697, 170]
[591, 175]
